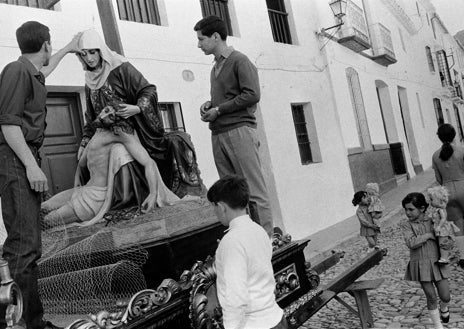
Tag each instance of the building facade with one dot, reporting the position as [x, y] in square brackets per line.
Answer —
[339, 107]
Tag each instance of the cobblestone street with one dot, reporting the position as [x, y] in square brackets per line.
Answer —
[396, 303]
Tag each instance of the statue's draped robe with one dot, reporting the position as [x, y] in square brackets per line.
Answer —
[173, 152]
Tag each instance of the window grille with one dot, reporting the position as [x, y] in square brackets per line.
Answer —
[302, 137]
[140, 11]
[279, 21]
[172, 116]
[218, 8]
[359, 109]
[42, 4]
[438, 111]
[458, 120]
[428, 53]
[443, 68]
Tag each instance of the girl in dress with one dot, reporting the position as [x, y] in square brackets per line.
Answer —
[368, 228]
[423, 267]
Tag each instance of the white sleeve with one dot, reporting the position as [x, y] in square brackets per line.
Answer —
[231, 266]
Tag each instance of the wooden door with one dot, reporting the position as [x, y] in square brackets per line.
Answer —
[62, 137]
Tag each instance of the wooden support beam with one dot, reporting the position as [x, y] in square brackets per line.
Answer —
[325, 264]
[342, 281]
[110, 25]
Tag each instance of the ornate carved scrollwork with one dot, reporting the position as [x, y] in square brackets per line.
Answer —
[205, 311]
[10, 295]
[140, 304]
[286, 281]
[279, 239]
[313, 278]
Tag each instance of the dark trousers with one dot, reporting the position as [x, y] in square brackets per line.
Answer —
[282, 324]
[22, 247]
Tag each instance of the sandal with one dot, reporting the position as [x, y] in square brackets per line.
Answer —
[445, 315]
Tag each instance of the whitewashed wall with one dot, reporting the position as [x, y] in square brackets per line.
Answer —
[305, 198]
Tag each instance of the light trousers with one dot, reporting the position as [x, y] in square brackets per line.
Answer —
[236, 152]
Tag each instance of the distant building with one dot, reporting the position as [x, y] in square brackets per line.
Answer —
[340, 107]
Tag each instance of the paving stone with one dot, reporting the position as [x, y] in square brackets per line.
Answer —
[396, 303]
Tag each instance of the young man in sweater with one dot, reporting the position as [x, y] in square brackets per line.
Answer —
[231, 111]
[245, 278]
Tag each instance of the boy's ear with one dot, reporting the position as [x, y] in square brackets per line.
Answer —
[46, 46]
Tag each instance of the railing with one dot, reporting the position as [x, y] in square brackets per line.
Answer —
[382, 43]
[354, 23]
[457, 91]
[443, 69]
[279, 25]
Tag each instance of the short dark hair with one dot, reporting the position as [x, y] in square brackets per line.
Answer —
[31, 36]
[357, 197]
[210, 24]
[232, 190]
[417, 199]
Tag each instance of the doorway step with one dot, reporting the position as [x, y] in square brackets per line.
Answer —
[400, 179]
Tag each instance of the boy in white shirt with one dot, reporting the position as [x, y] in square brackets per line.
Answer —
[245, 278]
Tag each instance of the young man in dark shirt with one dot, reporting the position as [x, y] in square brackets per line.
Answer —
[235, 93]
[22, 121]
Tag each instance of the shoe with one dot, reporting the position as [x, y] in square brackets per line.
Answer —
[445, 315]
[49, 325]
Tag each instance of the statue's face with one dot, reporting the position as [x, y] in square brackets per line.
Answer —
[107, 116]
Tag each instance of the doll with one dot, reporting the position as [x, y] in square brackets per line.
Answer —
[375, 207]
[444, 230]
[368, 228]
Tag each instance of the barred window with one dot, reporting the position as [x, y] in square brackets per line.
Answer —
[443, 68]
[140, 11]
[459, 123]
[438, 111]
[42, 4]
[173, 119]
[428, 53]
[302, 137]
[217, 8]
[279, 21]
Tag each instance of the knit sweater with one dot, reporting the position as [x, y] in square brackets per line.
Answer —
[235, 91]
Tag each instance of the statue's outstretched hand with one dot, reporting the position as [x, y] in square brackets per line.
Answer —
[149, 204]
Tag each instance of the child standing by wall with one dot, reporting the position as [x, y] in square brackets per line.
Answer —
[423, 267]
[368, 228]
[444, 230]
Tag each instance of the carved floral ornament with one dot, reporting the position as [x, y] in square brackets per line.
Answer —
[204, 310]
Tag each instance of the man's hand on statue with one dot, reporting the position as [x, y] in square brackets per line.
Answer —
[149, 203]
[72, 46]
[37, 179]
[210, 115]
[127, 110]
